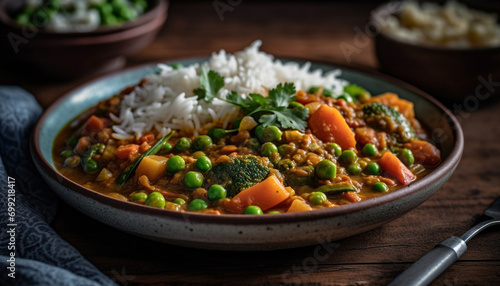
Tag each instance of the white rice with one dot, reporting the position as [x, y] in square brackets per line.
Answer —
[167, 102]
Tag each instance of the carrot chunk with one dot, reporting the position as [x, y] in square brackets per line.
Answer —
[94, 123]
[124, 151]
[265, 195]
[392, 165]
[330, 126]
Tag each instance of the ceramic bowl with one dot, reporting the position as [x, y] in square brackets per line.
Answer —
[61, 56]
[239, 232]
[451, 74]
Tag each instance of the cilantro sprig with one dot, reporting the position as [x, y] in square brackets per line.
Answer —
[271, 110]
[211, 83]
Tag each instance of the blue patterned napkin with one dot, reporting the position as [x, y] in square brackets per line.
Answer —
[31, 252]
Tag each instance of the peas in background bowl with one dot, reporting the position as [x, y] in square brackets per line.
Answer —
[79, 16]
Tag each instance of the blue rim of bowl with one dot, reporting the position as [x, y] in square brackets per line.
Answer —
[446, 166]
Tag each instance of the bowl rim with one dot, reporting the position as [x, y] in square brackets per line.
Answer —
[446, 166]
[383, 11]
[159, 8]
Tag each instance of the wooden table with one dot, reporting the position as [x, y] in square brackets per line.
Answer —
[316, 32]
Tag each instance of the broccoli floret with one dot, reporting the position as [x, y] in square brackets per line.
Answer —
[385, 118]
[238, 174]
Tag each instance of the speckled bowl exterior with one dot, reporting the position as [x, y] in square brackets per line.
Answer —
[461, 75]
[240, 232]
[39, 53]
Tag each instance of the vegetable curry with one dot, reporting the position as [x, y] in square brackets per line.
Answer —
[289, 151]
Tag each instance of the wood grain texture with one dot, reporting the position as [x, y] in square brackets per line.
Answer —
[315, 31]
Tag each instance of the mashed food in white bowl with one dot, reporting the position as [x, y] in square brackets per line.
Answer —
[451, 25]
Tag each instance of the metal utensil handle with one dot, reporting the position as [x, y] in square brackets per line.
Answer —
[432, 264]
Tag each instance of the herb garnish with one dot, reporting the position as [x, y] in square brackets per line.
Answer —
[211, 83]
[271, 110]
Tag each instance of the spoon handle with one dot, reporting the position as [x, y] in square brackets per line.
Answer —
[432, 264]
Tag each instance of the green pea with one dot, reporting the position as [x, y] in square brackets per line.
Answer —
[363, 96]
[72, 161]
[202, 142]
[179, 201]
[203, 163]
[406, 156]
[236, 123]
[346, 97]
[326, 170]
[183, 144]
[348, 157]
[258, 132]
[211, 131]
[327, 92]
[274, 212]
[155, 199]
[271, 134]
[268, 149]
[286, 164]
[313, 89]
[252, 143]
[373, 168]
[218, 133]
[317, 198]
[175, 164]
[91, 165]
[216, 192]
[253, 210]
[193, 180]
[167, 147]
[139, 197]
[354, 169]
[197, 205]
[369, 150]
[295, 105]
[198, 154]
[66, 153]
[334, 149]
[380, 187]
[286, 149]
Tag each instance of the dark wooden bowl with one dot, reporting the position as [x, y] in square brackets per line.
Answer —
[40, 53]
[467, 76]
